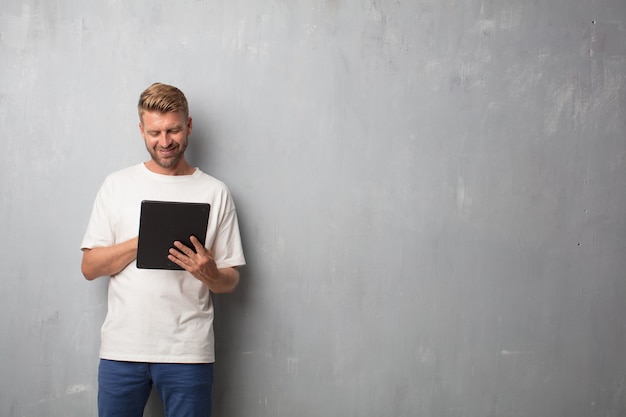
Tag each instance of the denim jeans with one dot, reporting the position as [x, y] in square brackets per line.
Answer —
[124, 388]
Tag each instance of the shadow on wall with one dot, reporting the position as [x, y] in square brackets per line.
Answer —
[154, 408]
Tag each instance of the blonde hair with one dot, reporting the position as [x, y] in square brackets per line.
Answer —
[162, 98]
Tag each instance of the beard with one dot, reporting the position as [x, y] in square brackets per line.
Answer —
[170, 161]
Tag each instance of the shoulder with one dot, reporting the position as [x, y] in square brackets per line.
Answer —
[210, 180]
[215, 190]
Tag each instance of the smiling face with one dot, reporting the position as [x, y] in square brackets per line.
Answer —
[165, 135]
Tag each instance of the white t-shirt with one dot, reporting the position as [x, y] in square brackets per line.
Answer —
[160, 315]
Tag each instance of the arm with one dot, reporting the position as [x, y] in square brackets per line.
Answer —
[110, 260]
[226, 281]
[202, 266]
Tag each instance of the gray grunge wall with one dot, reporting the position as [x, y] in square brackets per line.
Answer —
[431, 195]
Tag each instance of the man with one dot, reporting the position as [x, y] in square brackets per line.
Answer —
[159, 324]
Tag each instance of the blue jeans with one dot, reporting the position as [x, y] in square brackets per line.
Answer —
[124, 388]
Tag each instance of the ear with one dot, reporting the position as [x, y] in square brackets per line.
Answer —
[189, 126]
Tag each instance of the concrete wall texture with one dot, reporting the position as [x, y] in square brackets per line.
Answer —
[431, 195]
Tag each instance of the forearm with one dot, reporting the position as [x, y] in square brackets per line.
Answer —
[226, 281]
[110, 260]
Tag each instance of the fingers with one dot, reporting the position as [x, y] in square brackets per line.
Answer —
[199, 263]
[179, 254]
[196, 243]
[183, 248]
[198, 249]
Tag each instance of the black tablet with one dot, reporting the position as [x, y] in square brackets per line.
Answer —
[163, 222]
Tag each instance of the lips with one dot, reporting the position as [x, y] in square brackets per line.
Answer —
[165, 152]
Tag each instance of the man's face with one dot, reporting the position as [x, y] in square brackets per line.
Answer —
[165, 135]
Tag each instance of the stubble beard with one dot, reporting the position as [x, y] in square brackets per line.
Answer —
[170, 162]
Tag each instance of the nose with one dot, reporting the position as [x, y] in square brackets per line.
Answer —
[164, 140]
